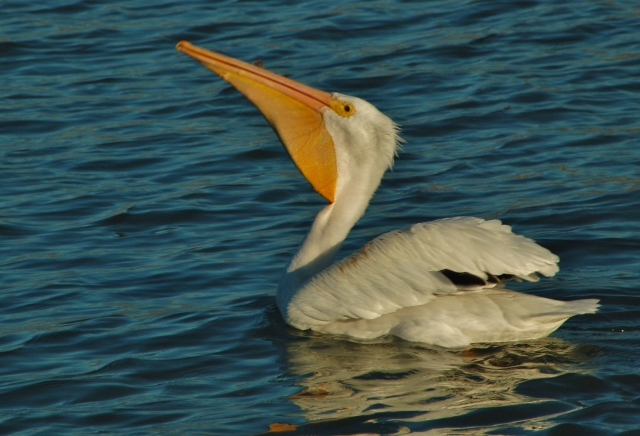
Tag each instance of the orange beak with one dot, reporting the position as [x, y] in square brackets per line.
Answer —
[294, 110]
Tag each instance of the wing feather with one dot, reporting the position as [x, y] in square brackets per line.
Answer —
[401, 269]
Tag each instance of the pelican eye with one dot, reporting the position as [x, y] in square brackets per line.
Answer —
[342, 108]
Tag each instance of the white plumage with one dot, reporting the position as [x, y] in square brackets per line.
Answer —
[438, 282]
[393, 285]
[402, 269]
[492, 315]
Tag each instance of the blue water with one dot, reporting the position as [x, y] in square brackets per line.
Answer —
[147, 211]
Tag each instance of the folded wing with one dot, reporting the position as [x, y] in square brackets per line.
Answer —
[411, 266]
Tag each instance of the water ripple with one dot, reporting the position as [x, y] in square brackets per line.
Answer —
[137, 188]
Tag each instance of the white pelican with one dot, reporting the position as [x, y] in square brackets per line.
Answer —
[436, 282]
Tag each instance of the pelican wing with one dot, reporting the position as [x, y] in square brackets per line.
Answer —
[404, 268]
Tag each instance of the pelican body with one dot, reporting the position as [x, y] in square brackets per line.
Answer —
[436, 282]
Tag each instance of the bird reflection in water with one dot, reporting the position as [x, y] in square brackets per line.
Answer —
[385, 386]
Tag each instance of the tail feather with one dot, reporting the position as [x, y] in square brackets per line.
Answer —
[575, 307]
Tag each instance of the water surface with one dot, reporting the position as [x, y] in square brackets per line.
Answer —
[148, 210]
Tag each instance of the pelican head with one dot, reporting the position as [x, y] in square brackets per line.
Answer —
[331, 137]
